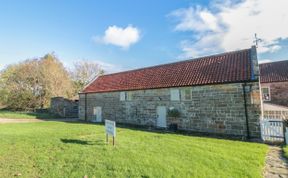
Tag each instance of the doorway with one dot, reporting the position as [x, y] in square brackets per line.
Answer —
[161, 116]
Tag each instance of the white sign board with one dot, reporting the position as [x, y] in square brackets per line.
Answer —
[110, 127]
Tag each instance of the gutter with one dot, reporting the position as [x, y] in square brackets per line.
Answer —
[219, 83]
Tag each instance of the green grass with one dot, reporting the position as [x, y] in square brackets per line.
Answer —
[24, 115]
[286, 151]
[58, 149]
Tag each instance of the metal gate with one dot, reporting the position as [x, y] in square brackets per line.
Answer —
[272, 130]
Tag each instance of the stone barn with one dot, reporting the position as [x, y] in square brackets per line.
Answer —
[215, 94]
[274, 82]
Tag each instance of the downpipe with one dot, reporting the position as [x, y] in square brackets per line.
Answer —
[246, 111]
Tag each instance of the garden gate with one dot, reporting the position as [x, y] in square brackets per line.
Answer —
[273, 125]
[272, 130]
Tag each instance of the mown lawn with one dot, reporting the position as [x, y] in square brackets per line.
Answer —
[286, 151]
[58, 149]
[24, 115]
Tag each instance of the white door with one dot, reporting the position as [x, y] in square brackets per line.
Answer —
[161, 116]
[97, 114]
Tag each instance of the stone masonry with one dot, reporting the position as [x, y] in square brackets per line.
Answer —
[64, 107]
[213, 108]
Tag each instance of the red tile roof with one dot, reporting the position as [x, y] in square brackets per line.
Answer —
[274, 72]
[230, 67]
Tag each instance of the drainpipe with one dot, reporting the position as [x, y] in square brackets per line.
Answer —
[85, 106]
[246, 112]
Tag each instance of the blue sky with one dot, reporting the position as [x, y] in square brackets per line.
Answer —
[130, 34]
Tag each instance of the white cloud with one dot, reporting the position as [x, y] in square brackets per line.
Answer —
[205, 45]
[198, 19]
[108, 67]
[261, 61]
[228, 26]
[118, 36]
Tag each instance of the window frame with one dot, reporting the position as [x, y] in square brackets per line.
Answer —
[128, 96]
[269, 93]
[174, 94]
[183, 93]
[122, 96]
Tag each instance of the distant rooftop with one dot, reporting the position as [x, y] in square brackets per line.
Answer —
[274, 72]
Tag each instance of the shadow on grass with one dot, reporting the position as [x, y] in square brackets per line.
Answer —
[82, 142]
[43, 115]
[75, 141]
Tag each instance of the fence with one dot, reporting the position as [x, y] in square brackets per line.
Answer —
[271, 114]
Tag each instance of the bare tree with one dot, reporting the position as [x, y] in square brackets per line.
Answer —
[84, 72]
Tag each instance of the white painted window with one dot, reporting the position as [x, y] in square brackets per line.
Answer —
[186, 94]
[122, 96]
[266, 93]
[129, 96]
[175, 94]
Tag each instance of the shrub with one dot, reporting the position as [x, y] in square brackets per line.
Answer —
[173, 112]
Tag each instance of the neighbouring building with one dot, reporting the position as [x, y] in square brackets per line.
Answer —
[215, 94]
[274, 82]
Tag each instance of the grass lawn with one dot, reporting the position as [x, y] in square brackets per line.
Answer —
[58, 149]
[286, 151]
[24, 115]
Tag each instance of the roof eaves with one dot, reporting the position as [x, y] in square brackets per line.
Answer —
[217, 83]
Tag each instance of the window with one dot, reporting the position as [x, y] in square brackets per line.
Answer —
[125, 96]
[94, 111]
[122, 96]
[266, 94]
[174, 95]
[186, 94]
[129, 96]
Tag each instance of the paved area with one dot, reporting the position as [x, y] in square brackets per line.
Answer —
[274, 107]
[5, 120]
[276, 164]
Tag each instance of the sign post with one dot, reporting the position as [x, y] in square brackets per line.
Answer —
[110, 128]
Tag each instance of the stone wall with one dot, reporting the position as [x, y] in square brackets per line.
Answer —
[278, 93]
[64, 107]
[213, 108]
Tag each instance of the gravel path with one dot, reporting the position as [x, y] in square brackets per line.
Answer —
[276, 164]
[5, 120]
